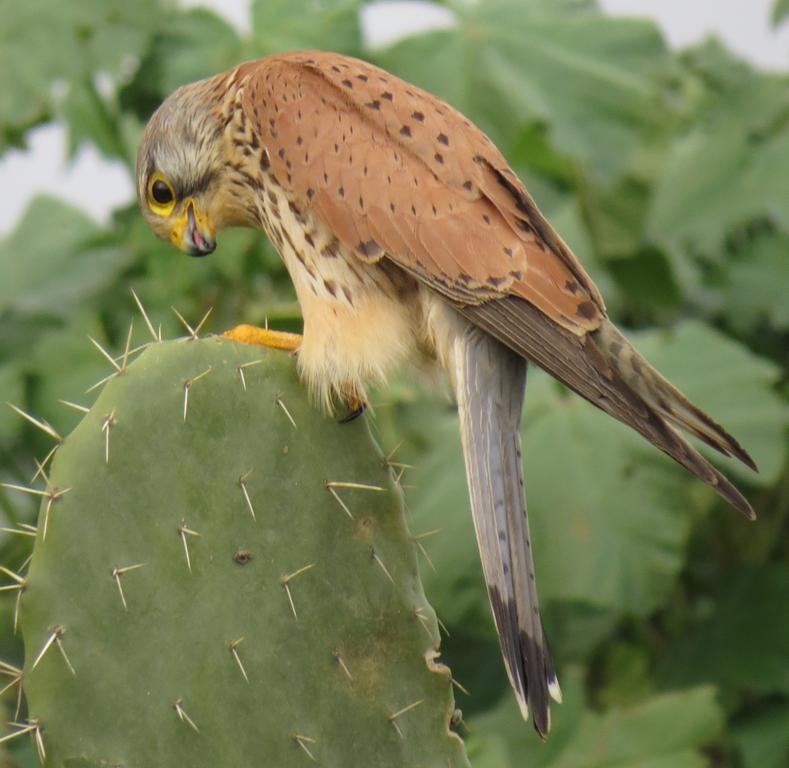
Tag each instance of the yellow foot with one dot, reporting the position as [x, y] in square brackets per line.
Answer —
[250, 334]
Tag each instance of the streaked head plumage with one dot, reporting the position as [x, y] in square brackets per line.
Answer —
[180, 166]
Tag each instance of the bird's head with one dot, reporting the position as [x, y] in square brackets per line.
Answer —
[181, 171]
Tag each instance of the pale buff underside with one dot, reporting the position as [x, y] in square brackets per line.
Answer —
[357, 327]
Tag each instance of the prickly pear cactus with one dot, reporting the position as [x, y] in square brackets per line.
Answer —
[222, 576]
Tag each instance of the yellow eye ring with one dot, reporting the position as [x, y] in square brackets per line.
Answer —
[161, 197]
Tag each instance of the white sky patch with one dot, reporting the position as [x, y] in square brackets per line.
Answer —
[387, 22]
[90, 181]
[744, 25]
[98, 185]
[237, 12]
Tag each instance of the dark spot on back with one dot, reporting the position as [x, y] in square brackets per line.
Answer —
[587, 310]
[419, 116]
[571, 286]
[405, 131]
[443, 139]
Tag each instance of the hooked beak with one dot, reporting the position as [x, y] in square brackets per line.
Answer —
[192, 233]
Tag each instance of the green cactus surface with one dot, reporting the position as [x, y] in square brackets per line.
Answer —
[223, 576]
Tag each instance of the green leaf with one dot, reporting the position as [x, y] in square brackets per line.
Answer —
[662, 732]
[594, 81]
[733, 385]
[756, 278]
[499, 738]
[45, 40]
[54, 260]
[11, 391]
[763, 738]
[743, 643]
[617, 219]
[666, 731]
[713, 182]
[646, 287]
[780, 12]
[194, 44]
[729, 168]
[576, 630]
[91, 117]
[609, 513]
[626, 674]
[285, 25]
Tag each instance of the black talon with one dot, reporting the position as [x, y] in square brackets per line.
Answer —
[354, 414]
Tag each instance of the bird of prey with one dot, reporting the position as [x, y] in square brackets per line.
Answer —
[406, 233]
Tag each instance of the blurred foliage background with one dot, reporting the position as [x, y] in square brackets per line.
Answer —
[667, 173]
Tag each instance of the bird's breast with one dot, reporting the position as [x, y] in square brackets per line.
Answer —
[360, 319]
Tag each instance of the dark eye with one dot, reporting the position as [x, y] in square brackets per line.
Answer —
[161, 192]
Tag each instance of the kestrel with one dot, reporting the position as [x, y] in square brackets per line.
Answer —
[407, 234]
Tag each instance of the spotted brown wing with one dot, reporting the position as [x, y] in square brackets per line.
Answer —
[395, 172]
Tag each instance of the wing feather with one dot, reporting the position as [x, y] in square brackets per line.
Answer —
[378, 159]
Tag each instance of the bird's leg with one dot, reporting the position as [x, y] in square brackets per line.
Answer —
[251, 334]
[291, 342]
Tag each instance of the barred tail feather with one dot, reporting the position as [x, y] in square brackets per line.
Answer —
[602, 367]
[490, 382]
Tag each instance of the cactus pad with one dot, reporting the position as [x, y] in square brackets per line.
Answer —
[227, 579]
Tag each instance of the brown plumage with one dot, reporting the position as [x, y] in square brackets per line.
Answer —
[393, 170]
[404, 230]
